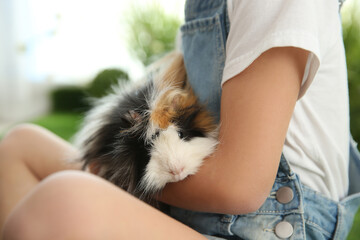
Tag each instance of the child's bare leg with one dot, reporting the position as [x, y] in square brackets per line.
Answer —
[28, 154]
[78, 205]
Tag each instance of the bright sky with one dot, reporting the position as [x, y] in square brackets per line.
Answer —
[88, 36]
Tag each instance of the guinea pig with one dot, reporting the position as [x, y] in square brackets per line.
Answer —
[143, 136]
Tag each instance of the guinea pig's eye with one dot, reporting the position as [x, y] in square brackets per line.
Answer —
[155, 135]
[180, 134]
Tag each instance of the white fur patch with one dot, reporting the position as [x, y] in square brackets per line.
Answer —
[170, 155]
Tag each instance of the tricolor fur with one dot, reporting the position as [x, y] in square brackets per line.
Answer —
[142, 137]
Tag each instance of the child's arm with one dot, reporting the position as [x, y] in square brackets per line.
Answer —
[256, 108]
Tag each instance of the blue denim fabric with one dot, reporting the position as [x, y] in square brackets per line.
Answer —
[203, 41]
[312, 215]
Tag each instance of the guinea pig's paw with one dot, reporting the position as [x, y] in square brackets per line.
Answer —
[154, 180]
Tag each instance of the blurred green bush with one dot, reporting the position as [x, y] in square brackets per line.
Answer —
[101, 85]
[76, 98]
[69, 99]
[351, 35]
[151, 31]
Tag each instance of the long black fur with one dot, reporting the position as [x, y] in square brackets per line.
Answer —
[118, 148]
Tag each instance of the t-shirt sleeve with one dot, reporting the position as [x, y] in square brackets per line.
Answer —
[257, 26]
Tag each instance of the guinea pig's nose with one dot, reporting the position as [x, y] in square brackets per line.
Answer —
[178, 174]
[177, 171]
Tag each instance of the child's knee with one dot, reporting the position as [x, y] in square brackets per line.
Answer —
[17, 135]
[19, 130]
[12, 143]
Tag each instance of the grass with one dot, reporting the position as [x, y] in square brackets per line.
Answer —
[65, 125]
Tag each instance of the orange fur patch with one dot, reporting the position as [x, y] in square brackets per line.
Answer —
[175, 97]
[170, 105]
[178, 96]
[161, 117]
[204, 121]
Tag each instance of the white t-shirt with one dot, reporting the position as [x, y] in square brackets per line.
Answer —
[317, 141]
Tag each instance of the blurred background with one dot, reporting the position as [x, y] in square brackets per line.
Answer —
[55, 54]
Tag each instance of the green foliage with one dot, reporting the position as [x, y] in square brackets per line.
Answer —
[69, 99]
[351, 34]
[355, 230]
[151, 32]
[102, 83]
[75, 98]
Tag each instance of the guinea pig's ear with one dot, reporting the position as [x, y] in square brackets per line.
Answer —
[133, 116]
[94, 168]
[177, 101]
[182, 100]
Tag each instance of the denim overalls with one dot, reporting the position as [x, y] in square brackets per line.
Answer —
[291, 211]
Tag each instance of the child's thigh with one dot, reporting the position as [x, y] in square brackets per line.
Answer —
[77, 205]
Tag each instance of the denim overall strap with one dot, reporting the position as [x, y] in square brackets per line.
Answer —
[203, 40]
[303, 212]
